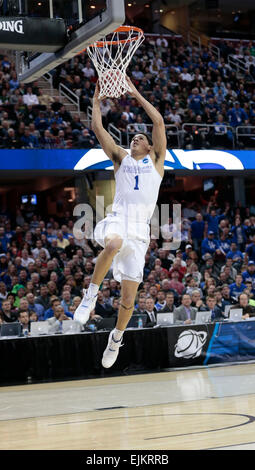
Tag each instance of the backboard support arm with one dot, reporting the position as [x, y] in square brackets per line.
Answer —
[51, 8]
[96, 28]
[80, 11]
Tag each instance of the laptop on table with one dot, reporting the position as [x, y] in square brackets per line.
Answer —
[165, 319]
[235, 314]
[12, 329]
[71, 327]
[106, 324]
[38, 328]
[203, 317]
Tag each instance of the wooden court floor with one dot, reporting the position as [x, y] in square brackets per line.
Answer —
[206, 408]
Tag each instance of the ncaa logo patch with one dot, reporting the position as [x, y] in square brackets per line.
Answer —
[145, 160]
[190, 344]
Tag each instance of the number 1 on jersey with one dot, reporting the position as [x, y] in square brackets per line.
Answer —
[136, 182]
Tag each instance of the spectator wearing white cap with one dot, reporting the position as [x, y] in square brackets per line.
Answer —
[188, 249]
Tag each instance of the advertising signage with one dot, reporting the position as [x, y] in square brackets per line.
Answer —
[96, 159]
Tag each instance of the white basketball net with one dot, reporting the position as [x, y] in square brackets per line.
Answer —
[111, 59]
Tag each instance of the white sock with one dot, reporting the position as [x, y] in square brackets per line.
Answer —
[117, 334]
[93, 289]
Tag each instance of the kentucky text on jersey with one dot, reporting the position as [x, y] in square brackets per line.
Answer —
[137, 184]
[138, 170]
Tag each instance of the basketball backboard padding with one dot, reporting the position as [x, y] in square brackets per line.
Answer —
[32, 34]
[103, 24]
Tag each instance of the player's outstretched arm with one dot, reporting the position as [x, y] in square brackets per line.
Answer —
[112, 150]
[158, 131]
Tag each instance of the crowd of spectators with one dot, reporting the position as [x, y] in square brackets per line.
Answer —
[44, 269]
[31, 118]
[187, 84]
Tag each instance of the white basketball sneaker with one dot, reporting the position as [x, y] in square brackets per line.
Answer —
[111, 352]
[86, 306]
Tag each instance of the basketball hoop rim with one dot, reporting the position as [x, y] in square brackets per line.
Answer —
[121, 29]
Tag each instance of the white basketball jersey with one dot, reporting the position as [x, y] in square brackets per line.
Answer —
[137, 188]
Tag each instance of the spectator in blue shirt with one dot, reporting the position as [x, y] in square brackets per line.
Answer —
[212, 219]
[195, 101]
[239, 233]
[56, 119]
[237, 287]
[213, 63]
[235, 254]
[28, 140]
[9, 233]
[250, 250]
[32, 306]
[220, 86]
[249, 274]
[188, 249]
[197, 231]
[50, 235]
[237, 115]
[41, 122]
[209, 244]
[224, 243]
[6, 64]
[51, 311]
[14, 82]
[3, 239]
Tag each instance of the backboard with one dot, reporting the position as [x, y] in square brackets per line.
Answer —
[81, 29]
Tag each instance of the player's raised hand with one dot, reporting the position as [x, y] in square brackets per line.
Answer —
[134, 91]
[96, 93]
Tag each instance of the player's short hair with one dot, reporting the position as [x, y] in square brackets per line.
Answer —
[148, 137]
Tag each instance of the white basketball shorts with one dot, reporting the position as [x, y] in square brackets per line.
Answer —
[128, 263]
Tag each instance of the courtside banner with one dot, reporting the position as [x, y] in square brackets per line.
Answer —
[188, 345]
[213, 343]
[232, 342]
[96, 159]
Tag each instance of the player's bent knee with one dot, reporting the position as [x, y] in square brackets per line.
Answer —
[113, 246]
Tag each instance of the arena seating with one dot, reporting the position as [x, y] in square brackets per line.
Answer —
[207, 100]
[42, 266]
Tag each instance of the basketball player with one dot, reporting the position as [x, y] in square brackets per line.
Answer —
[124, 234]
